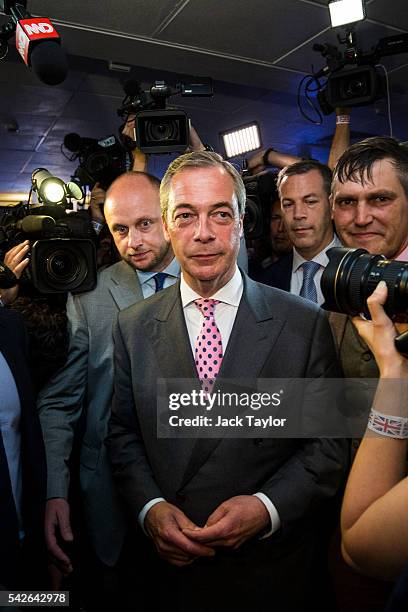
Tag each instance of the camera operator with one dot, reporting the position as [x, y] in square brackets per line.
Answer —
[369, 198]
[374, 509]
[370, 210]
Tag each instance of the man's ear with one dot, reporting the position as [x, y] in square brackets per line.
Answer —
[165, 230]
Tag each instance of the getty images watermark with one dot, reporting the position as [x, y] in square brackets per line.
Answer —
[274, 408]
[224, 399]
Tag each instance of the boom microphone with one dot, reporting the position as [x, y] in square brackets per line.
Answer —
[38, 43]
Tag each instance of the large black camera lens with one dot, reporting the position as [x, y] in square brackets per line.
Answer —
[63, 266]
[351, 277]
[162, 131]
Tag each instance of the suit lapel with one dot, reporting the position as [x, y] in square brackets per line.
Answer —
[256, 327]
[125, 287]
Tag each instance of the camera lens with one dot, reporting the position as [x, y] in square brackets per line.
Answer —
[351, 277]
[356, 87]
[62, 266]
[164, 130]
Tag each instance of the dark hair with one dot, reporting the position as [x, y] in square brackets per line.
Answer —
[303, 167]
[356, 163]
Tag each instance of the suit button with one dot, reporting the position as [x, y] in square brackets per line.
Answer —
[180, 496]
[258, 441]
[367, 356]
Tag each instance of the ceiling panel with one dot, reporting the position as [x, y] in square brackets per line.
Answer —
[394, 13]
[257, 30]
[137, 17]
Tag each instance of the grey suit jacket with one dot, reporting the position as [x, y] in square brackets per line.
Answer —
[275, 335]
[85, 384]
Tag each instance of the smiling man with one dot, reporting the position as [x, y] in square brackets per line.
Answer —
[227, 522]
[370, 197]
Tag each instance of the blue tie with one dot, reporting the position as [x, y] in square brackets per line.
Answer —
[308, 289]
[159, 279]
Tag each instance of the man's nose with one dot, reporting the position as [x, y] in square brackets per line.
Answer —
[134, 238]
[203, 230]
[299, 210]
[363, 214]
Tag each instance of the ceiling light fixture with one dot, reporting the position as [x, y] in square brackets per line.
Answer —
[343, 12]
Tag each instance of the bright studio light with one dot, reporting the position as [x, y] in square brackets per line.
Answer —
[241, 140]
[52, 190]
[343, 12]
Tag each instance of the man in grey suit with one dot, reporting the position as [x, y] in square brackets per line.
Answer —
[82, 390]
[235, 521]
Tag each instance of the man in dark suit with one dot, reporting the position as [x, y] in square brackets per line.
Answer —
[22, 465]
[304, 191]
[235, 521]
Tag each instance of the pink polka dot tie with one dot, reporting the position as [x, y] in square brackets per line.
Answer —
[208, 346]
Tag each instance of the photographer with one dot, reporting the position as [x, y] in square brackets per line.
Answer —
[374, 512]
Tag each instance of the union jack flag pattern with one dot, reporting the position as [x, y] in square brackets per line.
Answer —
[387, 425]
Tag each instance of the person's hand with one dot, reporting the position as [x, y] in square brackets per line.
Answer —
[16, 260]
[236, 520]
[379, 334]
[95, 205]
[57, 523]
[165, 524]
[255, 163]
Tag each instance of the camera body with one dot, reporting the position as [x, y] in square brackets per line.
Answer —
[159, 129]
[63, 253]
[100, 161]
[260, 193]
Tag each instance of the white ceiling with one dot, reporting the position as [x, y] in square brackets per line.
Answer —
[256, 50]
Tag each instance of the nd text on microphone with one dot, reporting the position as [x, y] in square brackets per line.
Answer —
[38, 43]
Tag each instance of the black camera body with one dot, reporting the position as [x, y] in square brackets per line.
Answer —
[159, 129]
[352, 77]
[260, 193]
[100, 161]
[62, 254]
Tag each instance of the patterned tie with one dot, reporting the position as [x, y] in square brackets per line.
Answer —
[308, 289]
[208, 346]
[159, 279]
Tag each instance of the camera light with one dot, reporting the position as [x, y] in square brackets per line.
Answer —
[51, 189]
[343, 12]
[241, 140]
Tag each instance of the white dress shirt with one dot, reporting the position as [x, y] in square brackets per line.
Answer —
[321, 258]
[229, 296]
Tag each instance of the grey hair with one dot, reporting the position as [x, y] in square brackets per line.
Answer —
[200, 159]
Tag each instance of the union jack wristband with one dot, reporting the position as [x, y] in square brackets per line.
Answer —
[387, 425]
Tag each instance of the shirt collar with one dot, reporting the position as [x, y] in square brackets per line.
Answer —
[321, 258]
[403, 256]
[173, 269]
[230, 293]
